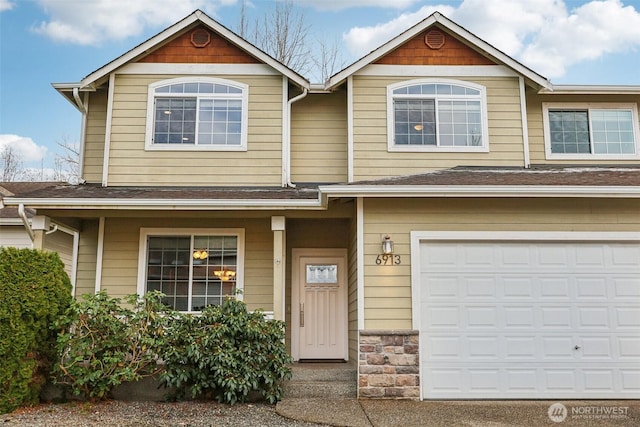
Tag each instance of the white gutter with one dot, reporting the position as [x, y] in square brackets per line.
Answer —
[286, 140]
[159, 204]
[480, 191]
[25, 222]
[79, 103]
[83, 135]
[591, 90]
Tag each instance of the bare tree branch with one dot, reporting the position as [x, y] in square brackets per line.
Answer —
[11, 164]
[282, 33]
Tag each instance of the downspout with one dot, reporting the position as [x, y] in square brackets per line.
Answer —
[82, 106]
[25, 221]
[287, 138]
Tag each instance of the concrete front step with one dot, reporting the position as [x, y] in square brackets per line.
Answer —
[337, 380]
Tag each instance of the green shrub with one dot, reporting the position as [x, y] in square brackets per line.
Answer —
[34, 290]
[106, 343]
[225, 353]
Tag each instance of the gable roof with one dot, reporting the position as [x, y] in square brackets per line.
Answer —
[195, 18]
[531, 76]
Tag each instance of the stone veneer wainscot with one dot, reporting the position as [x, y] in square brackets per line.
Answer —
[389, 365]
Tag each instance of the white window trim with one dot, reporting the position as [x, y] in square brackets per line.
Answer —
[161, 232]
[546, 106]
[391, 146]
[151, 95]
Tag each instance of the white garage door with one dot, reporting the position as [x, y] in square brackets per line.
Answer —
[529, 320]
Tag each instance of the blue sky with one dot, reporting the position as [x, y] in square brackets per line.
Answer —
[46, 41]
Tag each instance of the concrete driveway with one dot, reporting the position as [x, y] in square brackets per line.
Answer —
[403, 413]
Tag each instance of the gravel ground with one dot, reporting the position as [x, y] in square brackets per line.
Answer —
[118, 413]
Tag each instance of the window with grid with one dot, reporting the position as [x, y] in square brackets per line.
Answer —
[436, 115]
[198, 114]
[591, 131]
[193, 271]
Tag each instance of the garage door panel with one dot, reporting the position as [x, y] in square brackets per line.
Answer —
[530, 320]
[628, 347]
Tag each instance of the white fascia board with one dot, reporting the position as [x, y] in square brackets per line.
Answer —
[455, 29]
[181, 25]
[591, 90]
[480, 191]
[163, 204]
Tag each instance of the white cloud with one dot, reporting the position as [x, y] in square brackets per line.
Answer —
[362, 40]
[94, 22]
[24, 147]
[5, 5]
[543, 34]
[346, 4]
[589, 32]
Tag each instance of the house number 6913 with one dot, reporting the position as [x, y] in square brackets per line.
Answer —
[388, 260]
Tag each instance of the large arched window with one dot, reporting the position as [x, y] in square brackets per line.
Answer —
[442, 115]
[197, 113]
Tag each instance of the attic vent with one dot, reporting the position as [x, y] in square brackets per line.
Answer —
[434, 39]
[200, 37]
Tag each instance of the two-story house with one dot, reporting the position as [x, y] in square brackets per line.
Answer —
[436, 213]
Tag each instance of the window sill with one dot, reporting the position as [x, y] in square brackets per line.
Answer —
[434, 149]
[606, 157]
[181, 147]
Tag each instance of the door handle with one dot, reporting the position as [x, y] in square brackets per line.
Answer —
[577, 347]
[302, 315]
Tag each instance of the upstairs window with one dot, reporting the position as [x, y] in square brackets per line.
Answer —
[426, 115]
[576, 131]
[197, 113]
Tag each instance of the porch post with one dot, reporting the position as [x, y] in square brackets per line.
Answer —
[279, 254]
[39, 224]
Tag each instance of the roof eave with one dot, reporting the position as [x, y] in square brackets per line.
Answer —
[555, 191]
[532, 77]
[592, 90]
[197, 16]
[163, 204]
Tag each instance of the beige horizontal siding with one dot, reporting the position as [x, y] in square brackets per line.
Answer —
[87, 253]
[14, 236]
[130, 164]
[121, 246]
[94, 136]
[388, 288]
[319, 138]
[536, 130]
[373, 160]
[62, 243]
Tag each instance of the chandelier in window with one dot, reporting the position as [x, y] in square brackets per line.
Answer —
[225, 275]
[200, 254]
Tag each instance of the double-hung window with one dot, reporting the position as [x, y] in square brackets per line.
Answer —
[426, 115]
[193, 268]
[197, 114]
[587, 131]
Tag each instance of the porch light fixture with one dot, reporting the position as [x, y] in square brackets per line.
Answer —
[387, 245]
[200, 254]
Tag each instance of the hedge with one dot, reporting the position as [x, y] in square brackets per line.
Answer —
[35, 291]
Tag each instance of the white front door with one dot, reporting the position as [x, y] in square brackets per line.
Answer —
[319, 304]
